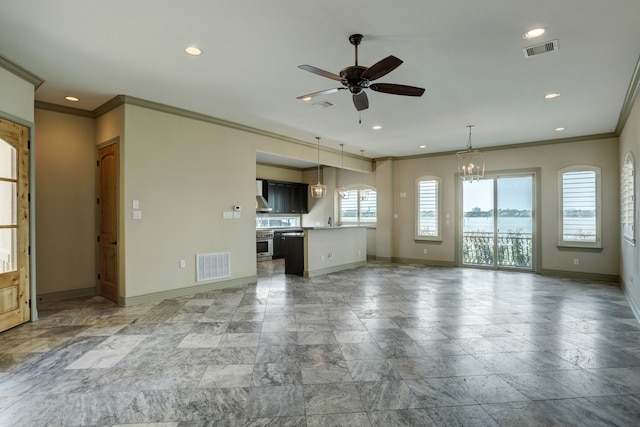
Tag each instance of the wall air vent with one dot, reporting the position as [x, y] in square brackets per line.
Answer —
[213, 266]
[539, 49]
[323, 104]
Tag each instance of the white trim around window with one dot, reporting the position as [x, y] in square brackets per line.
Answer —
[627, 199]
[579, 202]
[428, 225]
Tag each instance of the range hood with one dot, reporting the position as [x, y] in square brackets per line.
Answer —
[261, 203]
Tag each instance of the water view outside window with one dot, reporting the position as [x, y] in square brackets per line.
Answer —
[498, 222]
[275, 221]
[579, 206]
[360, 207]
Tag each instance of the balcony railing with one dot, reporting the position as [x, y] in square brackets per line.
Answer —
[514, 249]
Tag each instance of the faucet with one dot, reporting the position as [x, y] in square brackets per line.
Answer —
[329, 221]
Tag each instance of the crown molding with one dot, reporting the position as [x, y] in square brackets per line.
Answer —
[24, 74]
[629, 99]
[41, 105]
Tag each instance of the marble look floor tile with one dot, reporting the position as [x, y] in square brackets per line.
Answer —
[386, 395]
[422, 334]
[367, 350]
[224, 376]
[331, 398]
[467, 416]
[433, 392]
[316, 337]
[353, 336]
[357, 419]
[240, 340]
[200, 341]
[273, 374]
[490, 389]
[524, 414]
[372, 370]
[538, 386]
[401, 418]
[276, 401]
[325, 373]
[417, 368]
[278, 338]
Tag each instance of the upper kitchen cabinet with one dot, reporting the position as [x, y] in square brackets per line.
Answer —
[286, 197]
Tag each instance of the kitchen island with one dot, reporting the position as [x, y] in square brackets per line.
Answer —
[325, 250]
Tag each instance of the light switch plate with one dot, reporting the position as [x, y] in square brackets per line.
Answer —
[137, 214]
[136, 204]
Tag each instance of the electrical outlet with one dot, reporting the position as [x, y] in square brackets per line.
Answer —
[183, 264]
[322, 257]
[425, 251]
[576, 261]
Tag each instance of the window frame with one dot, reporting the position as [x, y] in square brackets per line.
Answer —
[598, 208]
[358, 188]
[438, 236]
[627, 199]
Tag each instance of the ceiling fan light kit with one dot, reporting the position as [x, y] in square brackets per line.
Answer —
[357, 78]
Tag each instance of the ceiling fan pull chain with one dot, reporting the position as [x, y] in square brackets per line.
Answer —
[360, 117]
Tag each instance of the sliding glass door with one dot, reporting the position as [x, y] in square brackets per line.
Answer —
[497, 222]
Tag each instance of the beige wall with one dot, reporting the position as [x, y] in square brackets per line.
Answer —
[278, 173]
[630, 255]
[16, 96]
[66, 199]
[185, 173]
[549, 158]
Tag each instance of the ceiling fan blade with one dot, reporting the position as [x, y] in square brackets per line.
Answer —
[361, 101]
[322, 92]
[397, 89]
[381, 68]
[320, 72]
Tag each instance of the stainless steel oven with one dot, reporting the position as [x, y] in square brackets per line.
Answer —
[264, 245]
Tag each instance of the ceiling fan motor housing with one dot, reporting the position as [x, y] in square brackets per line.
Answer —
[351, 78]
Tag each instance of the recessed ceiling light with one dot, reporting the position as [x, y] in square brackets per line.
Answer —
[551, 95]
[71, 98]
[192, 50]
[306, 99]
[376, 127]
[559, 129]
[423, 146]
[532, 34]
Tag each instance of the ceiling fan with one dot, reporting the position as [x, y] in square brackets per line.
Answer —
[356, 78]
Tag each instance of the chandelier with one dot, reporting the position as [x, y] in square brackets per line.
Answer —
[470, 162]
[364, 194]
[343, 191]
[318, 190]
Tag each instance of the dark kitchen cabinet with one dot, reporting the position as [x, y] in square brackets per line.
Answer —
[286, 197]
[278, 244]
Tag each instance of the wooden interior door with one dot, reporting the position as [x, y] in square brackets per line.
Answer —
[108, 221]
[14, 225]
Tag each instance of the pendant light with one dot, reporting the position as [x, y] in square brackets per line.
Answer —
[470, 162]
[318, 190]
[343, 191]
[364, 194]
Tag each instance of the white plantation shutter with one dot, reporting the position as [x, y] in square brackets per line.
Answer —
[627, 192]
[428, 208]
[580, 206]
[355, 210]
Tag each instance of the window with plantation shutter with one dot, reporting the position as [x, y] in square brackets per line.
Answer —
[579, 206]
[627, 202]
[428, 224]
[360, 207]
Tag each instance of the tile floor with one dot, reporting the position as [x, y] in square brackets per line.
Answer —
[382, 345]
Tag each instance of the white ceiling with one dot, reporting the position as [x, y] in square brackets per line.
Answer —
[467, 54]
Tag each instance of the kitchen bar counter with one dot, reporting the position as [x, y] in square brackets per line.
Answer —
[327, 249]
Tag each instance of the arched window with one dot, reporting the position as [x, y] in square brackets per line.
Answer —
[627, 199]
[360, 207]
